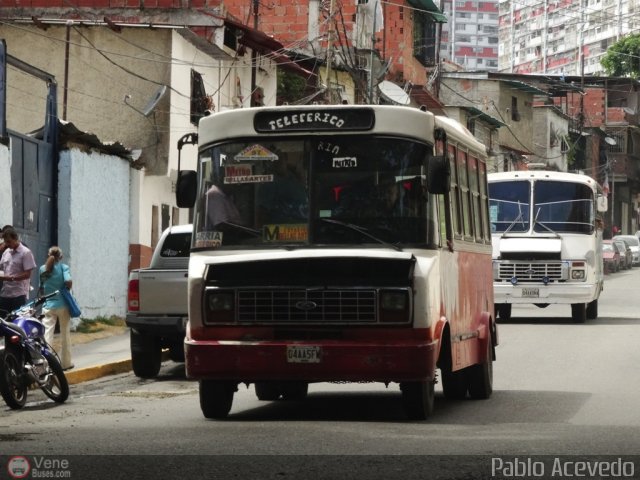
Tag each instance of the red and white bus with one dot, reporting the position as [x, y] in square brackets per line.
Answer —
[337, 244]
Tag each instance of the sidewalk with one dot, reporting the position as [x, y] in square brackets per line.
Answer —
[106, 356]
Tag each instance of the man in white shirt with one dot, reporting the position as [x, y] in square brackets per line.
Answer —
[16, 263]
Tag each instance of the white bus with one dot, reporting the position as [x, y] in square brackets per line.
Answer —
[547, 241]
[338, 244]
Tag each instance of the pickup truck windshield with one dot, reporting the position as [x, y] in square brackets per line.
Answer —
[337, 190]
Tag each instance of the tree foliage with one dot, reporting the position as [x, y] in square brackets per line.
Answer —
[291, 87]
[623, 58]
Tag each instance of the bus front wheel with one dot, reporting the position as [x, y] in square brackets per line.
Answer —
[481, 377]
[418, 399]
[592, 310]
[503, 311]
[579, 312]
[216, 398]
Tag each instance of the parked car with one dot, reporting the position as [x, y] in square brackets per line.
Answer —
[626, 255]
[610, 256]
[634, 245]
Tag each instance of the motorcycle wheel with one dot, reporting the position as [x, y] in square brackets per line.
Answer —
[57, 387]
[12, 389]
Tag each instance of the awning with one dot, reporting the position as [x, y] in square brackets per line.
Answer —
[429, 7]
[525, 87]
[266, 45]
[476, 113]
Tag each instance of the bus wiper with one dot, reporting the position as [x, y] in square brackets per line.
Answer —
[362, 231]
[520, 218]
[536, 222]
[250, 231]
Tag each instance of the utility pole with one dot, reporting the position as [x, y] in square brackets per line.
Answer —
[332, 6]
[254, 55]
[373, 45]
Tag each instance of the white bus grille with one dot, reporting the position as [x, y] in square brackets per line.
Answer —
[346, 306]
[531, 271]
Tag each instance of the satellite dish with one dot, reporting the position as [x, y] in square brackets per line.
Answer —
[610, 141]
[628, 110]
[393, 93]
[153, 101]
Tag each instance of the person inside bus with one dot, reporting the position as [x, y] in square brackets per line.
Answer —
[220, 208]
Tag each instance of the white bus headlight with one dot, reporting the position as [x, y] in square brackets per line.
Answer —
[577, 274]
[578, 271]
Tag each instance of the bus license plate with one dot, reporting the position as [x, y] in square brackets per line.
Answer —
[531, 292]
[303, 354]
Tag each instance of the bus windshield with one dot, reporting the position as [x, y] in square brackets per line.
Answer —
[320, 190]
[563, 207]
[509, 206]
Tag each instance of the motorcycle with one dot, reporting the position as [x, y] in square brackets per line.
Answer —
[28, 360]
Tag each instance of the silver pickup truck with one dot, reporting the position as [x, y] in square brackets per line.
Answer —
[157, 303]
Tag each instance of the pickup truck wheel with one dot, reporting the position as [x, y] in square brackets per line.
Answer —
[146, 355]
[216, 398]
[176, 352]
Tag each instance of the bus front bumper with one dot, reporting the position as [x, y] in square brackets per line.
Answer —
[552, 294]
[309, 361]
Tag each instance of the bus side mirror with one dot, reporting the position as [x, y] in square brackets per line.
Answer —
[601, 203]
[186, 189]
[438, 175]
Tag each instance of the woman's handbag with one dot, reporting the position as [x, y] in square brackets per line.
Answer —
[74, 309]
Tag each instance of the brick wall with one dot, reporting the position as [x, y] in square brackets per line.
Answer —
[100, 4]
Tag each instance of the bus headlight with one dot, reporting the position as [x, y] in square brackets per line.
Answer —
[394, 306]
[219, 306]
[577, 274]
[578, 271]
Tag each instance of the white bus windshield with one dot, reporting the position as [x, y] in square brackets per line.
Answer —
[333, 190]
[509, 206]
[558, 207]
[564, 207]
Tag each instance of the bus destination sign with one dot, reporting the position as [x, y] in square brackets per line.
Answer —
[313, 119]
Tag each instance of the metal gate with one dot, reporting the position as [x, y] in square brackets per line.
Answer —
[34, 167]
[33, 177]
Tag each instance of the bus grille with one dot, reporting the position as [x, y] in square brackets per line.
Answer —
[531, 272]
[307, 306]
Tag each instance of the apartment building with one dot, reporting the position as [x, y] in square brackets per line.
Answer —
[470, 36]
[561, 37]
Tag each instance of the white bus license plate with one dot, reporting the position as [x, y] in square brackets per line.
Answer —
[531, 292]
[303, 354]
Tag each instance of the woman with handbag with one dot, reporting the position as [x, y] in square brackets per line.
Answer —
[55, 275]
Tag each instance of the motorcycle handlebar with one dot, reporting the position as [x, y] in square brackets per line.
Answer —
[33, 303]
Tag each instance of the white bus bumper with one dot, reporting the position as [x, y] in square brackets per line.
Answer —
[552, 294]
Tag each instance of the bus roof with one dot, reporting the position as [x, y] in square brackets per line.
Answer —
[542, 175]
[456, 130]
[404, 121]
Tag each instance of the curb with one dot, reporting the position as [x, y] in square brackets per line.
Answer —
[91, 373]
[80, 375]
